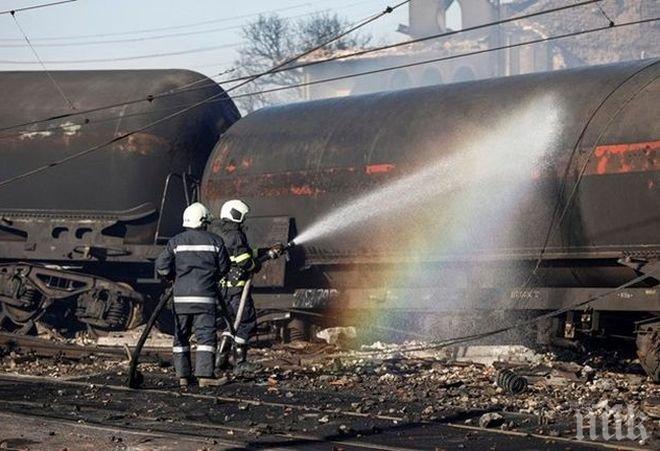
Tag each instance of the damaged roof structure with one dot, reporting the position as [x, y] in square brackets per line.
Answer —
[431, 17]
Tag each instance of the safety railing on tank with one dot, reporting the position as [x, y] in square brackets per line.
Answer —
[190, 192]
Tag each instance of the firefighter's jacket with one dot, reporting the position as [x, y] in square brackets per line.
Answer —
[243, 264]
[199, 260]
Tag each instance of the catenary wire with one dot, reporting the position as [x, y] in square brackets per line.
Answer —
[425, 38]
[395, 45]
[223, 94]
[66, 127]
[201, 84]
[389, 68]
[564, 179]
[117, 41]
[346, 32]
[558, 215]
[30, 8]
[439, 344]
[470, 337]
[129, 58]
[148, 38]
[604, 14]
[450, 57]
[179, 27]
[327, 80]
[41, 62]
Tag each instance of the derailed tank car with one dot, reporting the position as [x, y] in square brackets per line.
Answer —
[296, 163]
[77, 240]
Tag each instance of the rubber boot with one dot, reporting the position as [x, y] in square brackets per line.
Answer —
[212, 382]
[243, 367]
[222, 356]
[241, 354]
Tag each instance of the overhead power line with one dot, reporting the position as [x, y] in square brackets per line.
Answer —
[559, 213]
[207, 100]
[223, 96]
[29, 8]
[450, 57]
[40, 62]
[126, 58]
[412, 41]
[122, 41]
[604, 14]
[35, 42]
[479, 336]
[201, 84]
[407, 65]
[390, 68]
[173, 27]
[183, 26]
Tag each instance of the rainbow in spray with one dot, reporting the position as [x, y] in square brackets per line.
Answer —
[466, 199]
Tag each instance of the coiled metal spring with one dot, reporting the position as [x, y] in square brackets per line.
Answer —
[511, 382]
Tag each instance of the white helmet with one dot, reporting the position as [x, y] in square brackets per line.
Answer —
[234, 210]
[195, 216]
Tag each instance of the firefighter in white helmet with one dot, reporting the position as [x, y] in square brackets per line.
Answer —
[197, 260]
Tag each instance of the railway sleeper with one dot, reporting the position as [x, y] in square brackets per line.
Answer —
[54, 296]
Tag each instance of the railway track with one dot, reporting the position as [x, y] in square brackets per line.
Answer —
[46, 348]
[44, 427]
[242, 414]
[248, 421]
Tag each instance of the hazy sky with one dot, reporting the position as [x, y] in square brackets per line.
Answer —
[58, 32]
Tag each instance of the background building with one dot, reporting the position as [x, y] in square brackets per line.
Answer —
[431, 17]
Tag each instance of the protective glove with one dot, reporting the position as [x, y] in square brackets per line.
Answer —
[276, 251]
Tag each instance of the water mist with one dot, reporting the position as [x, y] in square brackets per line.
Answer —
[511, 149]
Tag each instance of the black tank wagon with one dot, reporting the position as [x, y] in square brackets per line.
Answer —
[76, 239]
[83, 235]
[295, 163]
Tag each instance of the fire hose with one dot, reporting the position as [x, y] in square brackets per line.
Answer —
[241, 305]
[272, 254]
[135, 378]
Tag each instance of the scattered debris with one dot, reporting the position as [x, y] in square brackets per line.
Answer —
[381, 380]
[130, 338]
[491, 420]
[490, 354]
[338, 336]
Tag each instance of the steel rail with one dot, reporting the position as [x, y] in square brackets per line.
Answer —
[46, 348]
[248, 432]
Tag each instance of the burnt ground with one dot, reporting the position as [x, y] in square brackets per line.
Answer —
[311, 396]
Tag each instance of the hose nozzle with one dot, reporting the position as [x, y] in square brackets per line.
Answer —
[277, 251]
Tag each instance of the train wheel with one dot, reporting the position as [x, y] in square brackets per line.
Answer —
[648, 348]
[109, 309]
[297, 330]
[6, 324]
[15, 320]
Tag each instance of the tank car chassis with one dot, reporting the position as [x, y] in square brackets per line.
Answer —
[67, 270]
[629, 314]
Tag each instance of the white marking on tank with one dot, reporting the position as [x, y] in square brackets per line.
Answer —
[70, 128]
[32, 135]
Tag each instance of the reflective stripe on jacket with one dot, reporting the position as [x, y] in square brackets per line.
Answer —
[240, 255]
[198, 259]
